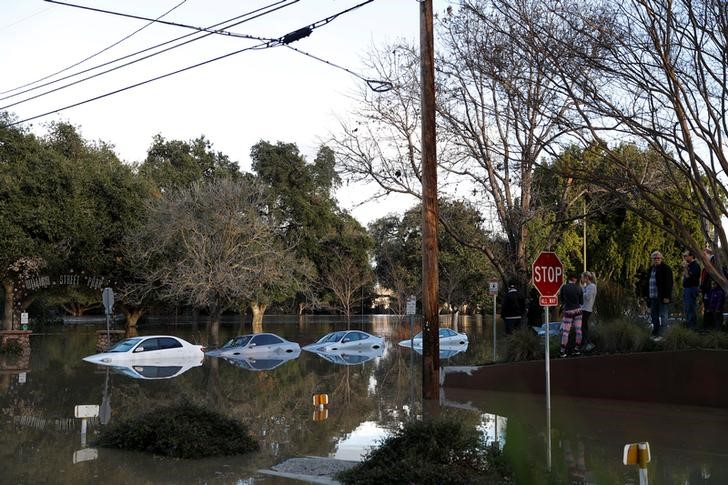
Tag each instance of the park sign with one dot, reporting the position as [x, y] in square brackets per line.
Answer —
[548, 276]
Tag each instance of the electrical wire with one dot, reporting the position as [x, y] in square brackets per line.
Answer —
[280, 41]
[164, 22]
[375, 85]
[254, 14]
[97, 53]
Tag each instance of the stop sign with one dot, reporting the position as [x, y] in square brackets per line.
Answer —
[548, 273]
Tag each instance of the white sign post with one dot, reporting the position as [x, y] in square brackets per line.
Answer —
[493, 290]
[83, 412]
[411, 310]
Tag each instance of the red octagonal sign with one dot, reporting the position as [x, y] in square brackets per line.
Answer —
[548, 274]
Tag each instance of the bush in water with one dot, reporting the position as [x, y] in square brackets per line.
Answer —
[180, 431]
[442, 451]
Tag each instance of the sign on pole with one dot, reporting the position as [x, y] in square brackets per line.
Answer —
[411, 305]
[548, 276]
[108, 299]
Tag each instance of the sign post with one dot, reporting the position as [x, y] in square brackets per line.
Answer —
[493, 290]
[638, 454]
[548, 276]
[411, 310]
[108, 299]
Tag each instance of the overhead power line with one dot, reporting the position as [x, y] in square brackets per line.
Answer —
[164, 22]
[252, 15]
[95, 54]
[268, 44]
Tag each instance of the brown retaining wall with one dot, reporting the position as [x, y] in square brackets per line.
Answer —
[692, 377]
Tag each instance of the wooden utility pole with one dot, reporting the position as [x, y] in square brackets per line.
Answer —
[430, 282]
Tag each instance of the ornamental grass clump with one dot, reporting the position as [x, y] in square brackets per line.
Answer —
[180, 431]
[678, 337]
[442, 451]
[715, 340]
[523, 344]
[620, 337]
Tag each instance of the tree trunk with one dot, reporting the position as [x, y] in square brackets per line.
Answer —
[9, 287]
[133, 316]
[301, 307]
[213, 331]
[258, 312]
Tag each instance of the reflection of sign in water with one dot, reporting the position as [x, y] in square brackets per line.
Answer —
[86, 454]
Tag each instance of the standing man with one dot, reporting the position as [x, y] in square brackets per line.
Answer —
[659, 292]
[512, 310]
[691, 286]
[572, 297]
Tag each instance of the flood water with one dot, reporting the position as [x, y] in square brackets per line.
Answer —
[41, 442]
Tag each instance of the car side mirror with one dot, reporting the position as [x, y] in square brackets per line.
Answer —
[346, 340]
[139, 349]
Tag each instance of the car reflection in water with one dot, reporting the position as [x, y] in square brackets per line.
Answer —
[447, 350]
[350, 356]
[167, 369]
[262, 360]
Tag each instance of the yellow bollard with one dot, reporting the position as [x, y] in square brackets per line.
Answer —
[638, 454]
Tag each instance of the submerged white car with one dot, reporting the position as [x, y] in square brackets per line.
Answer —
[254, 345]
[345, 339]
[448, 337]
[262, 361]
[147, 349]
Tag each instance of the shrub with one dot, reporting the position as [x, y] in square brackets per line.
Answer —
[12, 347]
[442, 451]
[715, 340]
[523, 344]
[180, 431]
[678, 337]
[620, 336]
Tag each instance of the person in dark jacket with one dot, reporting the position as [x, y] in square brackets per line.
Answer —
[659, 292]
[691, 287]
[572, 298]
[512, 310]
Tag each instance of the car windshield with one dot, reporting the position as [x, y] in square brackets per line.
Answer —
[332, 337]
[238, 341]
[125, 345]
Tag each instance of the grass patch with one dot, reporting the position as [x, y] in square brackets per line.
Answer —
[180, 431]
[715, 340]
[442, 451]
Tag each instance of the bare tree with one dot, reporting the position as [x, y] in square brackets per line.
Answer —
[346, 278]
[659, 80]
[497, 117]
[212, 246]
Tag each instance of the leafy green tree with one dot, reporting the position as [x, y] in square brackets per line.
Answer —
[175, 164]
[463, 269]
[64, 205]
[300, 194]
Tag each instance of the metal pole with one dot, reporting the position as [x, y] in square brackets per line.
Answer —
[584, 234]
[430, 283]
[495, 298]
[548, 393]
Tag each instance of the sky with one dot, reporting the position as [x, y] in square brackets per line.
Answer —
[272, 94]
